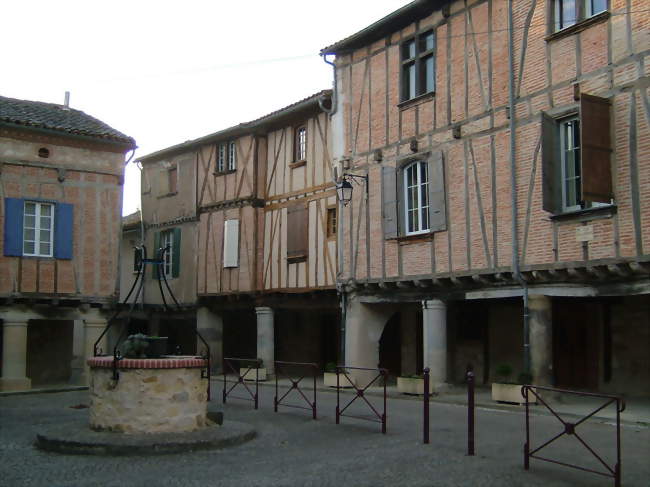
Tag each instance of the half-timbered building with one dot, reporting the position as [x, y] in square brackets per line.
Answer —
[255, 206]
[61, 178]
[506, 216]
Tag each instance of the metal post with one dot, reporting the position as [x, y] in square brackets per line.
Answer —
[383, 416]
[314, 408]
[275, 399]
[425, 426]
[527, 444]
[338, 388]
[257, 382]
[470, 413]
[224, 382]
[617, 468]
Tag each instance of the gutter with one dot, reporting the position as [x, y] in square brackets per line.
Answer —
[513, 186]
[334, 100]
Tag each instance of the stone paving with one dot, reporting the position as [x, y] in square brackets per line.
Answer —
[292, 449]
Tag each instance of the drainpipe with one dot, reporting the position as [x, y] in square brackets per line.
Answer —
[513, 186]
[142, 237]
[334, 101]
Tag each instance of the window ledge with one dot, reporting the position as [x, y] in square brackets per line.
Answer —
[296, 259]
[418, 237]
[416, 101]
[587, 214]
[296, 164]
[224, 173]
[168, 195]
[579, 27]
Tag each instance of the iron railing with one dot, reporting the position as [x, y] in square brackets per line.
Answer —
[234, 364]
[284, 369]
[360, 393]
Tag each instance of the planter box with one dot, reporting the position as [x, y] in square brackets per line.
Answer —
[329, 379]
[510, 393]
[412, 385]
[250, 375]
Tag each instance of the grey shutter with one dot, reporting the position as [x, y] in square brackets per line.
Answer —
[297, 232]
[595, 148]
[231, 243]
[551, 180]
[437, 204]
[389, 201]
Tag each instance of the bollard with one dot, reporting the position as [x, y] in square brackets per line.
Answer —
[425, 426]
[470, 413]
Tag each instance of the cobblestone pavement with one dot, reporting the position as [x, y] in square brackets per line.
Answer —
[292, 449]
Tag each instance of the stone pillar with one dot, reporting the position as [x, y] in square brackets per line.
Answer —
[540, 322]
[77, 364]
[210, 326]
[14, 354]
[94, 325]
[434, 337]
[266, 338]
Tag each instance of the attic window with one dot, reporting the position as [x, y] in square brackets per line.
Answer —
[44, 152]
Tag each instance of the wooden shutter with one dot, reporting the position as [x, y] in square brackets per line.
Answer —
[437, 204]
[156, 254]
[551, 179]
[297, 228]
[63, 225]
[13, 230]
[231, 243]
[595, 149]
[389, 201]
[176, 252]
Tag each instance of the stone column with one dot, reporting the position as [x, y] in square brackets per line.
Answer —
[14, 353]
[210, 326]
[77, 364]
[94, 325]
[434, 337]
[540, 321]
[266, 338]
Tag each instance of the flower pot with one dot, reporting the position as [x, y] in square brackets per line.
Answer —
[329, 379]
[250, 374]
[157, 346]
[510, 393]
[412, 385]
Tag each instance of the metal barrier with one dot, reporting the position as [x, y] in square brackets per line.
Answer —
[570, 430]
[360, 393]
[470, 413]
[254, 365]
[425, 425]
[281, 368]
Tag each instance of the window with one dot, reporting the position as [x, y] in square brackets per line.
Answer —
[569, 12]
[413, 196]
[172, 175]
[297, 228]
[418, 65]
[300, 144]
[38, 228]
[231, 243]
[416, 197]
[232, 156]
[576, 158]
[172, 258]
[331, 222]
[221, 158]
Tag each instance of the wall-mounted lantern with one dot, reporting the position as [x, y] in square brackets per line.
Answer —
[344, 188]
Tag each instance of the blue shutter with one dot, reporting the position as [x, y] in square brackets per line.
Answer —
[63, 225]
[13, 241]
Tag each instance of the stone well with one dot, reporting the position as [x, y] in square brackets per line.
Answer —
[165, 395]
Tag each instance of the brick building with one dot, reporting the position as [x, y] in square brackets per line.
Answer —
[507, 150]
[61, 177]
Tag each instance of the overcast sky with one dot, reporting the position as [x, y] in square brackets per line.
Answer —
[164, 72]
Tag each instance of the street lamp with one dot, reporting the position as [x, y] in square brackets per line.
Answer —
[344, 188]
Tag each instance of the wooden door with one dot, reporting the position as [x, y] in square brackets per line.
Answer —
[576, 328]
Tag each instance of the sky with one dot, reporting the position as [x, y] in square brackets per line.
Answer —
[164, 72]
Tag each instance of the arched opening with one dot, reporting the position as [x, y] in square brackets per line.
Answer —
[390, 344]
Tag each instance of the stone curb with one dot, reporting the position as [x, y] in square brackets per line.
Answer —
[44, 390]
[76, 438]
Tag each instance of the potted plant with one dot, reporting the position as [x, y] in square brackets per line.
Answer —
[412, 384]
[329, 376]
[144, 346]
[505, 390]
[248, 372]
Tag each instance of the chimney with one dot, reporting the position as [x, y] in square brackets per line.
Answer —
[66, 102]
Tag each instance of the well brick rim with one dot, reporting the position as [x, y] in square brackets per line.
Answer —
[149, 363]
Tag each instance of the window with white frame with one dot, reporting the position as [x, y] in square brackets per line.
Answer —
[38, 229]
[232, 156]
[167, 239]
[570, 12]
[418, 65]
[416, 197]
[570, 156]
[300, 143]
[221, 158]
